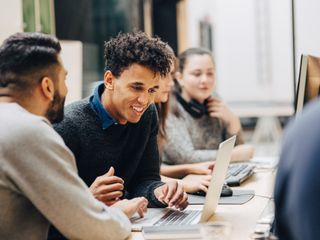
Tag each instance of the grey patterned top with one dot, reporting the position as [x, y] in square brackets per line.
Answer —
[192, 140]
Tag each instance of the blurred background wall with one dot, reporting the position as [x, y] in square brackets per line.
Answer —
[256, 43]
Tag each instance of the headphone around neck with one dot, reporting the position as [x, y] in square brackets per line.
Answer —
[194, 108]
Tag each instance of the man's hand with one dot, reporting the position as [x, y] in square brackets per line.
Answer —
[194, 183]
[172, 194]
[130, 207]
[107, 188]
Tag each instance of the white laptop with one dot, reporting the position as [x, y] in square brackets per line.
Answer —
[169, 216]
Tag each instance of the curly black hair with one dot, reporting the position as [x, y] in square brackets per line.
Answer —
[137, 47]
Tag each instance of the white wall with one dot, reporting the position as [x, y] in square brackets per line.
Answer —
[198, 10]
[307, 18]
[254, 50]
[10, 18]
[72, 58]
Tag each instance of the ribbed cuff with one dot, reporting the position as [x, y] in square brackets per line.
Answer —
[154, 202]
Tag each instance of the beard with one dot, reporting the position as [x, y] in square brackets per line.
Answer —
[55, 111]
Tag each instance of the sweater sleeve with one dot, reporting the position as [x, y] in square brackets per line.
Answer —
[44, 170]
[147, 178]
[179, 148]
[239, 139]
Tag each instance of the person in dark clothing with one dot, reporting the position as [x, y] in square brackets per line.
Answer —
[115, 130]
[298, 183]
[113, 133]
[130, 150]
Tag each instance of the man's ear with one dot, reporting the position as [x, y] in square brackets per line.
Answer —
[109, 80]
[47, 88]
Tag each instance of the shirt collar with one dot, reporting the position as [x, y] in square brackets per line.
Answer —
[95, 102]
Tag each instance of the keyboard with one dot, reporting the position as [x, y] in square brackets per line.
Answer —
[238, 172]
[175, 217]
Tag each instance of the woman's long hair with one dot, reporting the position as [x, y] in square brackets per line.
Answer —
[163, 110]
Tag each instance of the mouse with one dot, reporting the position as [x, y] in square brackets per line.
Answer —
[226, 191]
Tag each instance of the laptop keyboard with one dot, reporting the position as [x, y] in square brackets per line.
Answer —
[174, 217]
[238, 172]
[235, 169]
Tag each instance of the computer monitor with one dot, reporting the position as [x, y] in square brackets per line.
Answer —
[309, 81]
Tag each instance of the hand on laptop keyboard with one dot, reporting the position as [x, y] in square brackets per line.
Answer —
[193, 183]
[172, 194]
[130, 207]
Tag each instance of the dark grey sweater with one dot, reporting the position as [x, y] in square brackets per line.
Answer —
[131, 149]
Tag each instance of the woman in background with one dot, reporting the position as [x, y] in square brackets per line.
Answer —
[190, 184]
[198, 121]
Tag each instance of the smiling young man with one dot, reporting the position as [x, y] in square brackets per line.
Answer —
[113, 134]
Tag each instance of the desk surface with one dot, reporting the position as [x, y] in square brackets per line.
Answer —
[262, 109]
[243, 217]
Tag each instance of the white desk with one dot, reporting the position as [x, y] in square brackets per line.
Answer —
[243, 217]
[268, 125]
[262, 109]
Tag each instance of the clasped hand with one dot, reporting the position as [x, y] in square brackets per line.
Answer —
[107, 188]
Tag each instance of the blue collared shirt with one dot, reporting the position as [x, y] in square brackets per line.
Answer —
[95, 101]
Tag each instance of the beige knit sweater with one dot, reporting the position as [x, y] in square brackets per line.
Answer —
[39, 185]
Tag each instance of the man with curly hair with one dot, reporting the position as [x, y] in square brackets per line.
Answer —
[113, 133]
